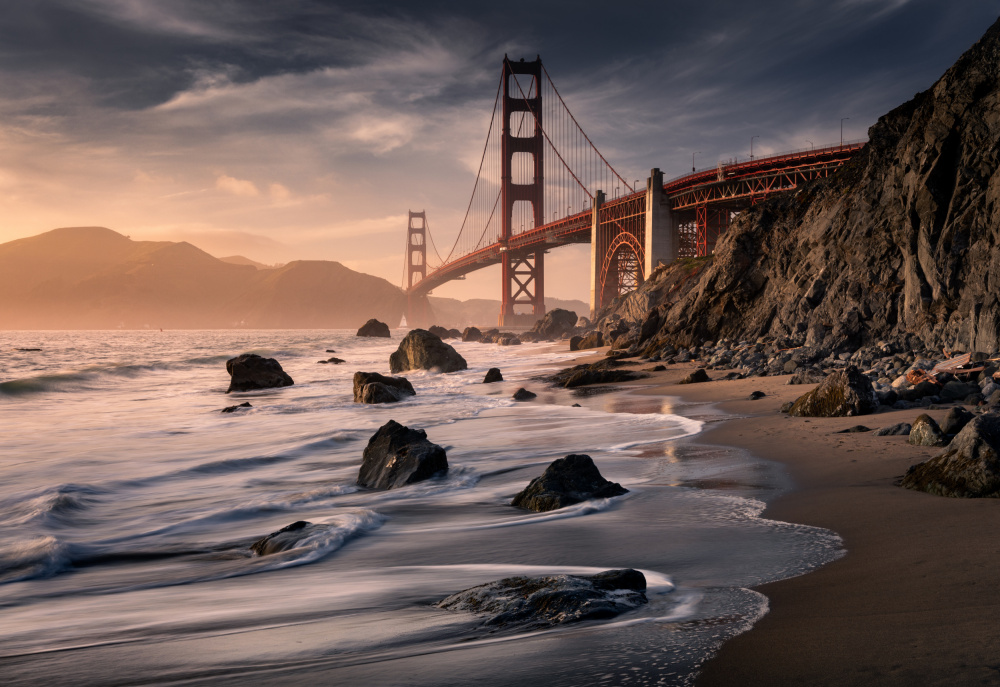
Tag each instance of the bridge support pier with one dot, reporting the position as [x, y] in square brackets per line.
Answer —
[596, 255]
[523, 279]
[662, 232]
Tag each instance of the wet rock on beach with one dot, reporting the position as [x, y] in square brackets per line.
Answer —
[526, 603]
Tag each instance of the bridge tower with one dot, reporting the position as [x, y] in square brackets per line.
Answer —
[416, 268]
[523, 272]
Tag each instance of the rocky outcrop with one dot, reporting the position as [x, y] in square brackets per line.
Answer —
[901, 244]
[554, 324]
[523, 394]
[440, 332]
[334, 361]
[284, 539]
[844, 393]
[956, 420]
[421, 350]
[593, 339]
[493, 375]
[696, 377]
[250, 371]
[566, 481]
[601, 372]
[901, 429]
[926, 432]
[374, 328]
[372, 387]
[472, 334]
[528, 603]
[969, 466]
[396, 456]
[574, 343]
[233, 409]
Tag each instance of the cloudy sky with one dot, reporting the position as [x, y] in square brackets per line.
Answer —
[308, 128]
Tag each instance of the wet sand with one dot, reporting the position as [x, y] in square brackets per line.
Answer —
[915, 599]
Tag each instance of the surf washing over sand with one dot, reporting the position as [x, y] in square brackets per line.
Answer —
[130, 503]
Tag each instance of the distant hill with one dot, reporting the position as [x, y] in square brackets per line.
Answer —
[240, 260]
[449, 312]
[95, 278]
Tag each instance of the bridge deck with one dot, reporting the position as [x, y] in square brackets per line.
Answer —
[737, 183]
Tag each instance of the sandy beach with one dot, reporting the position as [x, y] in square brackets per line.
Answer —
[913, 602]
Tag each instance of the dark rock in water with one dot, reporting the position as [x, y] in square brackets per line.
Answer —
[374, 328]
[472, 334]
[656, 368]
[421, 350]
[755, 395]
[440, 332]
[856, 429]
[696, 377]
[233, 409]
[574, 343]
[396, 456]
[523, 394]
[335, 361]
[285, 538]
[925, 432]
[506, 339]
[555, 323]
[956, 420]
[576, 405]
[566, 481]
[27, 350]
[330, 350]
[250, 371]
[969, 467]
[901, 429]
[493, 375]
[454, 334]
[526, 603]
[371, 387]
[843, 393]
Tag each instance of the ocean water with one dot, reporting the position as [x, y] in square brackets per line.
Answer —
[128, 503]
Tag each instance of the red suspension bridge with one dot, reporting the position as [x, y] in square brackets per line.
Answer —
[542, 183]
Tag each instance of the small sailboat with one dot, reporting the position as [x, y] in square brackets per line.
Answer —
[402, 323]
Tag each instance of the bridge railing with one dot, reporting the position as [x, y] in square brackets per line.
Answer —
[763, 159]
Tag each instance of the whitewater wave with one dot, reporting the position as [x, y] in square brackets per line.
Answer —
[55, 506]
[45, 557]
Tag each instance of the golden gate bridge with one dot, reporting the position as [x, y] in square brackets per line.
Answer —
[542, 183]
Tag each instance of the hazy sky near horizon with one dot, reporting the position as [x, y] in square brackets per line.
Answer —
[308, 128]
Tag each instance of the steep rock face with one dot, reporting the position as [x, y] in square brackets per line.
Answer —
[900, 243]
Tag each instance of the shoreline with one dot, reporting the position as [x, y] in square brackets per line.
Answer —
[913, 600]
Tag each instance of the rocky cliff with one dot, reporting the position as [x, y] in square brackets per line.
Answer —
[901, 244]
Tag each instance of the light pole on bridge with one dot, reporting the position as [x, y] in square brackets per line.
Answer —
[842, 130]
[699, 153]
[812, 146]
[751, 145]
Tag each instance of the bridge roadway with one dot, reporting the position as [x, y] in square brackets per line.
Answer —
[699, 208]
